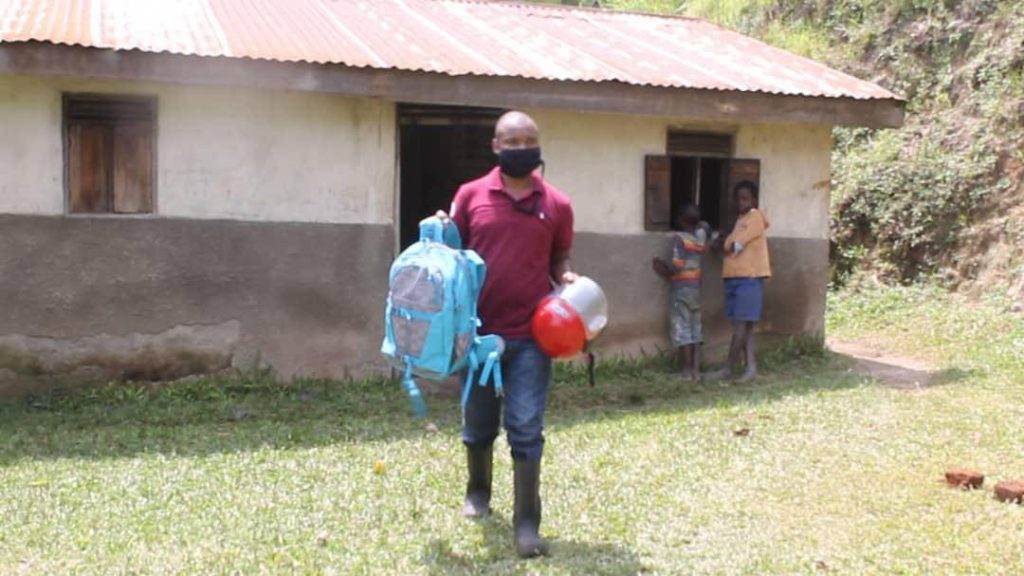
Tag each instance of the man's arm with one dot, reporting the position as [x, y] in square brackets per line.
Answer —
[561, 268]
[457, 218]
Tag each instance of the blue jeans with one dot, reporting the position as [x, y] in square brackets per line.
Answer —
[526, 372]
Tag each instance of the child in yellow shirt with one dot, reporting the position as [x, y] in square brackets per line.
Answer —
[744, 269]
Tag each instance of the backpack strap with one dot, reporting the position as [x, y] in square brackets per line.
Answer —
[419, 406]
[489, 347]
[470, 371]
[492, 367]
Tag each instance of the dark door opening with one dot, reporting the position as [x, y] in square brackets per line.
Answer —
[440, 147]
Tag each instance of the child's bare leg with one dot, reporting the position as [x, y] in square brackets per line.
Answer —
[685, 360]
[748, 346]
[735, 350]
[739, 338]
[696, 361]
[738, 349]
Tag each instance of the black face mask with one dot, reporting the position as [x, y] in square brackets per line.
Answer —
[519, 162]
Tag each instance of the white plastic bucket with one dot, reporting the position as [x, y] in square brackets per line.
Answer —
[588, 300]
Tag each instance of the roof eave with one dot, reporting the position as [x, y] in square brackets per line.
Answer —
[46, 59]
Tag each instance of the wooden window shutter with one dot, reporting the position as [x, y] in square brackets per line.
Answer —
[657, 193]
[737, 170]
[110, 153]
[89, 152]
[133, 168]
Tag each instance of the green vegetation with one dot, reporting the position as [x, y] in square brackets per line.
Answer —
[985, 337]
[837, 474]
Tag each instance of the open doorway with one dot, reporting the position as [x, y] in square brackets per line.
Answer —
[440, 147]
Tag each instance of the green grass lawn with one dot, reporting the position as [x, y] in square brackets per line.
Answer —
[838, 474]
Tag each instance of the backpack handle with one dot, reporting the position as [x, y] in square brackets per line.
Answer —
[435, 230]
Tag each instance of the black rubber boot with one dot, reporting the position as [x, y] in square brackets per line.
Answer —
[478, 489]
[526, 519]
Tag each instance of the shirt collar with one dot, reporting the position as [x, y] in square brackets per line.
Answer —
[495, 184]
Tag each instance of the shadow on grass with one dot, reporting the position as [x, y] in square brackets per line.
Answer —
[498, 555]
[244, 412]
[628, 388]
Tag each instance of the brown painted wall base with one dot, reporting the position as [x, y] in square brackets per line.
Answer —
[88, 299]
[159, 298]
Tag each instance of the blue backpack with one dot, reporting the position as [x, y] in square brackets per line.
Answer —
[430, 321]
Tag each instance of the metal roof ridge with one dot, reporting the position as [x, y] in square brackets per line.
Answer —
[564, 8]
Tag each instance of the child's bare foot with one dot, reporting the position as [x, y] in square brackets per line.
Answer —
[717, 374]
[747, 376]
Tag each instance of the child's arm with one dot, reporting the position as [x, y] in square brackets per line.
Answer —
[667, 269]
[662, 268]
[750, 229]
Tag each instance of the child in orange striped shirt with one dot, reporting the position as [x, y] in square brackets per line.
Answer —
[685, 273]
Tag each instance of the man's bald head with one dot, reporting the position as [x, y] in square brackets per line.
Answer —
[515, 130]
[514, 120]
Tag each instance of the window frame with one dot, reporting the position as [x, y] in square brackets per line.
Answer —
[110, 117]
[696, 146]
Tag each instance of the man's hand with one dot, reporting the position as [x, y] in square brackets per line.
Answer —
[443, 216]
[568, 277]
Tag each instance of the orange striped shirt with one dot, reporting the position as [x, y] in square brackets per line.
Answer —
[687, 251]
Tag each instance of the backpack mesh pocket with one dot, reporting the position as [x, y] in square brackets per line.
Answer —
[462, 342]
[410, 335]
[414, 289]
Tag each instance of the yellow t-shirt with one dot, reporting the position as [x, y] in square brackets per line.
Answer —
[752, 261]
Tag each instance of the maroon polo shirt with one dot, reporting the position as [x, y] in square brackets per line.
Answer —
[517, 241]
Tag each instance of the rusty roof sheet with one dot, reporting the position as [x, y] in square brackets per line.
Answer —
[453, 37]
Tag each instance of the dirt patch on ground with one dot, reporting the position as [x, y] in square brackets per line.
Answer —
[901, 372]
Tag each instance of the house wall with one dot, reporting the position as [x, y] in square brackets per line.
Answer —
[598, 160]
[271, 242]
[275, 229]
[222, 153]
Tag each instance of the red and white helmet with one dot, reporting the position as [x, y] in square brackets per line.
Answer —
[564, 321]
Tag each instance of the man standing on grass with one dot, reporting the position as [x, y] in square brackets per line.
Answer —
[522, 228]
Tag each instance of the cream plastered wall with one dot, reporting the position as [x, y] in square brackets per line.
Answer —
[598, 160]
[31, 162]
[221, 153]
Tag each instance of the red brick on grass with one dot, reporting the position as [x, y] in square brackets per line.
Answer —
[1010, 491]
[964, 478]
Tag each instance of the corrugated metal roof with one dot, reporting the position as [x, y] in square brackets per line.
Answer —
[454, 37]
